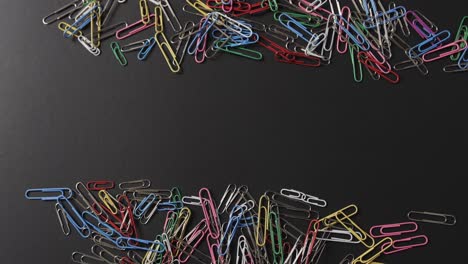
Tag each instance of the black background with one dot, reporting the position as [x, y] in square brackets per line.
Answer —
[66, 116]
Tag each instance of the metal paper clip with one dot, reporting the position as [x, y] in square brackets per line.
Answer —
[60, 13]
[86, 43]
[140, 244]
[62, 218]
[82, 258]
[133, 185]
[434, 218]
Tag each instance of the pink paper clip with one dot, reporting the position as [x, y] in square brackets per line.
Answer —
[210, 212]
[423, 240]
[342, 40]
[134, 28]
[194, 238]
[406, 227]
[453, 48]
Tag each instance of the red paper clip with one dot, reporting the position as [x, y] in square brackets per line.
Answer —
[100, 185]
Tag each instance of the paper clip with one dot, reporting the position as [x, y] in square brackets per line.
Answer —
[170, 16]
[210, 213]
[463, 60]
[62, 218]
[434, 218]
[82, 258]
[440, 52]
[191, 200]
[306, 198]
[144, 11]
[100, 185]
[167, 52]
[338, 235]
[263, 214]
[348, 259]
[395, 247]
[61, 13]
[108, 201]
[462, 34]
[134, 185]
[429, 44]
[276, 236]
[380, 246]
[116, 50]
[64, 26]
[74, 217]
[136, 243]
[373, 65]
[133, 29]
[158, 20]
[144, 205]
[82, 21]
[353, 33]
[146, 50]
[86, 43]
[415, 21]
[48, 194]
[381, 230]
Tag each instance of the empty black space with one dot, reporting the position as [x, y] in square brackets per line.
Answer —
[66, 116]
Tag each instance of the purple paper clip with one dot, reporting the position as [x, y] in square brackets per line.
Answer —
[423, 30]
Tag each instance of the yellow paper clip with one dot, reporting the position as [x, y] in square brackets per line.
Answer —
[158, 20]
[171, 58]
[107, 200]
[364, 237]
[388, 242]
[201, 7]
[151, 254]
[330, 220]
[144, 12]
[263, 211]
[68, 29]
[96, 28]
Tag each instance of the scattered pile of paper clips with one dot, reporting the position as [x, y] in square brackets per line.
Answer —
[282, 227]
[306, 32]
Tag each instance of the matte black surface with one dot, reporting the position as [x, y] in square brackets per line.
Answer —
[66, 116]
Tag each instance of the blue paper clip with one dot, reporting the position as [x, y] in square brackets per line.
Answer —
[131, 243]
[98, 228]
[306, 35]
[358, 39]
[144, 205]
[143, 53]
[381, 19]
[205, 27]
[170, 206]
[463, 61]
[82, 228]
[66, 193]
[80, 22]
[365, 6]
[429, 44]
